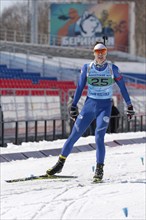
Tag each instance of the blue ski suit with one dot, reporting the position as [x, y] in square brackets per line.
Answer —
[97, 106]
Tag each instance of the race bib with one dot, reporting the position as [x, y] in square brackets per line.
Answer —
[100, 81]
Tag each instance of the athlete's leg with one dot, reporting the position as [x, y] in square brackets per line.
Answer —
[102, 122]
[82, 123]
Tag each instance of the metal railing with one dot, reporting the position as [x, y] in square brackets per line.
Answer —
[37, 130]
[18, 36]
[51, 43]
[46, 39]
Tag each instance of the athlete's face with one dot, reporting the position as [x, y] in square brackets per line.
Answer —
[100, 55]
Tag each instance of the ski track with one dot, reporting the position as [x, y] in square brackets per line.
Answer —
[65, 209]
[83, 194]
[44, 206]
[71, 199]
[84, 191]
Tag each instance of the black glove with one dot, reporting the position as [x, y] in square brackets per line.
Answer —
[130, 112]
[73, 112]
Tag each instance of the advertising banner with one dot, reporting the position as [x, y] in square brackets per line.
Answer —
[83, 24]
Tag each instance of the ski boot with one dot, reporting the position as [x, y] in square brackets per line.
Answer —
[57, 168]
[98, 173]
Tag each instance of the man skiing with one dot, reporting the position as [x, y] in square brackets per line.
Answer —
[100, 77]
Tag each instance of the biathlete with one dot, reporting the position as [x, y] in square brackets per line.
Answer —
[100, 76]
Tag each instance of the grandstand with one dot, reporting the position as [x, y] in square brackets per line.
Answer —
[30, 84]
[16, 82]
[30, 97]
[65, 69]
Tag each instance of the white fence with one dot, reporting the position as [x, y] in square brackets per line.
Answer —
[30, 107]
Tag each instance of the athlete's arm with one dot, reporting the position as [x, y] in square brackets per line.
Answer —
[81, 84]
[120, 82]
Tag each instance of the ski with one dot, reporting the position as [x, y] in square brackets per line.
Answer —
[41, 177]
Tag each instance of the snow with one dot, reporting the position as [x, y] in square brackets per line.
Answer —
[78, 198]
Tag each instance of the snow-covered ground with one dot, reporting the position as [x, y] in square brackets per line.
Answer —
[123, 187]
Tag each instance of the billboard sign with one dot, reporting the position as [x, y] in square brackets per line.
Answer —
[83, 24]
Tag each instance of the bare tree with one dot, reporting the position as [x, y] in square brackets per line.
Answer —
[15, 17]
[18, 18]
[43, 17]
